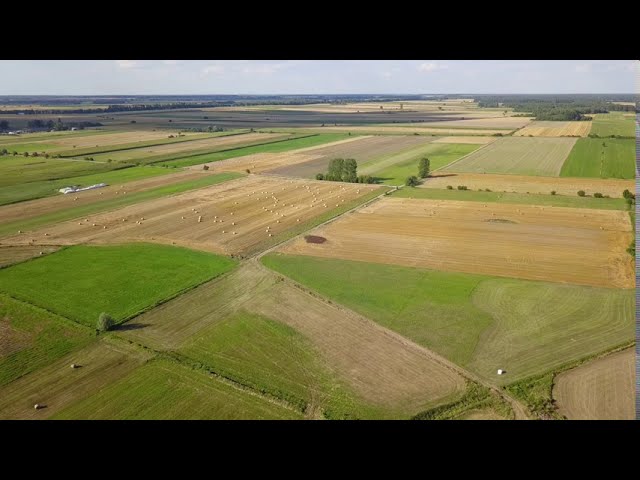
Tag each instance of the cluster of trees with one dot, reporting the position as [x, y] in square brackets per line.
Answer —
[344, 170]
[424, 170]
[59, 125]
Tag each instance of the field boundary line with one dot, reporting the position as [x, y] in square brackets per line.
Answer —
[465, 156]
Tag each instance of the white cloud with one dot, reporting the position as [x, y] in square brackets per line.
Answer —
[263, 68]
[432, 67]
[212, 69]
[171, 62]
[126, 63]
[584, 68]
[387, 74]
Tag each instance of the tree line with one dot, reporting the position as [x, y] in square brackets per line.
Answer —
[344, 170]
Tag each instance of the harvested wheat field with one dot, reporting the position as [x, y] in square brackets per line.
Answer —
[408, 130]
[227, 218]
[463, 139]
[57, 386]
[555, 129]
[585, 247]
[108, 139]
[522, 155]
[47, 205]
[602, 389]
[11, 255]
[526, 184]
[260, 162]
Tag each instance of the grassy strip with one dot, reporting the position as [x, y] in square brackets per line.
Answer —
[311, 223]
[537, 391]
[113, 203]
[277, 146]
[149, 143]
[513, 198]
[476, 397]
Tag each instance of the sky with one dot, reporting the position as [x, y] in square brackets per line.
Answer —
[190, 77]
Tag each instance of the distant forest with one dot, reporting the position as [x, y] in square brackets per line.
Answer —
[560, 107]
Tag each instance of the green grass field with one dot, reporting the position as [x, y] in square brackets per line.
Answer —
[47, 188]
[166, 390]
[262, 353]
[274, 147]
[482, 323]
[80, 282]
[601, 157]
[606, 124]
[518, 155]
[405, 165]
[113, 203]
[19, 170]
[31, 338]
[508, 197]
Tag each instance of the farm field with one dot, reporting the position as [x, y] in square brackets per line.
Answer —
[555, 129]
[524, 184]
[31, 338]
[56, 385]
[258, 209]
[607, 124]
[468, 140]
[14, 220]
[157, 153]
[365, 150]
[523, 156]
[393, 129]
[472, 319]
[82, 281]
[165, 390]
[29, 191]
[505, 123]
[15, 254]
[580, 246]
[513, 198]
[602, 389]
[605, 158]
[274, 147]
[374, 374]
[21, 170]
[395, 170]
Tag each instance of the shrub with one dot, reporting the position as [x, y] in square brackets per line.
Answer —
[319, 176]
[449, 187]
[581, 193]
[597, 195]
[462, 187]
[205, 167]
[553, 192]
[629, 201]
[105, 322]
[487, 190]
[412, 181]
[628, 194]
[248, 171]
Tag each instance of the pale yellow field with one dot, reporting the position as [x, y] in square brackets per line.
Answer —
[469, 140]
[372, 129]
[555, 129]
[115, 138]
[568, 245]
[603, 389]
[501, 122]
[526, 184]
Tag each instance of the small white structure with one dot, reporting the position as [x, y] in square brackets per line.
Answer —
[500, 371]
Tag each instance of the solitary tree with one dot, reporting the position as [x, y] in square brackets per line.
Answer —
[105, 322]
[581, 193]
[412, 181]
[424, 167]
[205, 167]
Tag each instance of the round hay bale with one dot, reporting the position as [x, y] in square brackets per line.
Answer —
[73, 365]
[37, 406]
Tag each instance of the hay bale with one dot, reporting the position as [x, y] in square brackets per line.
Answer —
[73, 365]
[37, 406]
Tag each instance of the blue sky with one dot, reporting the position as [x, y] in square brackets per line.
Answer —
[120, 77]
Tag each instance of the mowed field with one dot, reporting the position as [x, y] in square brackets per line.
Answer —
[409, 129]
[161, 152]
[56, 386]
[527, 184]
[365, 150]
[482, 323]
[10, 255]
[524, 156]
[602, 389]
[607, 124]
[82, 281]
[585, 247]
[258, 330]
[469, 140]
[504, 123]
[21, 170]
[601, 157]
[257, 209]
[555, 129]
